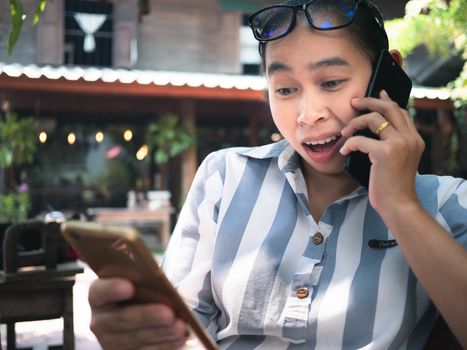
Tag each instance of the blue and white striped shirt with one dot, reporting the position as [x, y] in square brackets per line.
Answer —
[246, 256]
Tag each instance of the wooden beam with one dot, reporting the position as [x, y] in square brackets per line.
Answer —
[426, 103]
[132, 89]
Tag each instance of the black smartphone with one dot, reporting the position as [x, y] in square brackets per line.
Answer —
[387, 75]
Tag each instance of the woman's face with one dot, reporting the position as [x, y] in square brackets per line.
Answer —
[312, 77]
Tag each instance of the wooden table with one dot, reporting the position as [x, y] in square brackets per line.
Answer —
[133, 217]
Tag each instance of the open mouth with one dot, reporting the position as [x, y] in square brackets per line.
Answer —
[324, 144]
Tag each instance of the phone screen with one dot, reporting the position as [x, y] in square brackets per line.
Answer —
[387, 75]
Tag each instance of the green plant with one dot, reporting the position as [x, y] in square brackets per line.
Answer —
[17, 19]
[167, 138]
[18, 140]
[18, 144]
[14, 206]
[439, 25]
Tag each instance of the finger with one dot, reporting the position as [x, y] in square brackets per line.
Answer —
[405, 114]
[143, 339]
[372, 121]
[132, 317]
[359, 143]
[167, 337]
[104, 292]
[389, 109]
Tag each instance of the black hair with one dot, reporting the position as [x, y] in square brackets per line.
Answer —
[367, 30]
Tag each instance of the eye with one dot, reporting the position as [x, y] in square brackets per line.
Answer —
[285, 91]
[332, 84]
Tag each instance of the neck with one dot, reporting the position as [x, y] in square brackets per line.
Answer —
[324, 189]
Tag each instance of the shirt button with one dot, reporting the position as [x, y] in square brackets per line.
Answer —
[317, 238]
[302, 293]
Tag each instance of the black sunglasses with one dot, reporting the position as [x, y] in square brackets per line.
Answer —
[275, 22]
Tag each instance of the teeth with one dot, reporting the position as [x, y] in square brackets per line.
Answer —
[322, 142]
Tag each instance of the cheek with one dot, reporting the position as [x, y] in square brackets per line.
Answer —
[347, 113]
[283, 117]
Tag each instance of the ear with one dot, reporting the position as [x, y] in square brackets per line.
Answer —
[397, 56]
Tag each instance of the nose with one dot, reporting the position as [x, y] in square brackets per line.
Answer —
[312, 110]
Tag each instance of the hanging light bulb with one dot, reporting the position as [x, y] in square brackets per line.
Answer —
[99, 136]
[276, 137]
[43, 137]
[71, 138]
[142, 152]
[128, 135]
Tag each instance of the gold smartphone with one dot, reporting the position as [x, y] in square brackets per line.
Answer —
[118, 251]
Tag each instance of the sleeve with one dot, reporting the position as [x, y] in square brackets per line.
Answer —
[453, 211]
[187, 261]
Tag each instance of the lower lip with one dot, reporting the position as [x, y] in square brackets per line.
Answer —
[322, 157]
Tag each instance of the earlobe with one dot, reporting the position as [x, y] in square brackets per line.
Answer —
[397, 56]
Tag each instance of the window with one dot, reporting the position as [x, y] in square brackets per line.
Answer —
[88, 33]
[249, 56]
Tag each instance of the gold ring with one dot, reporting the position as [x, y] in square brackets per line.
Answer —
[382, 127]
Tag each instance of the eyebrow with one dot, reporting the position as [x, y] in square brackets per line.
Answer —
[327, 62]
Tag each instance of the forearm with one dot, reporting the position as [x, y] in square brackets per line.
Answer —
[438, 261]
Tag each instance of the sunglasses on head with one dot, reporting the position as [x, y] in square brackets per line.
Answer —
[275, 22]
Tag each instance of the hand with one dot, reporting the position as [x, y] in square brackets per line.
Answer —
[394, 157]
[131, 326]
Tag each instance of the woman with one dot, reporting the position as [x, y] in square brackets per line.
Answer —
[272, 248]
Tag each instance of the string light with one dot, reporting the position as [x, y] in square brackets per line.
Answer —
[276, 137]
[128, 135]
[142, 152]
[43, 137]
[99, 136]
[71, 138]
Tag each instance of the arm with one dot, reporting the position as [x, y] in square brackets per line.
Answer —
[438, 261]
[187, 261]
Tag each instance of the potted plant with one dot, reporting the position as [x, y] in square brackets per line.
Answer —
[18, 144]
[167, 138]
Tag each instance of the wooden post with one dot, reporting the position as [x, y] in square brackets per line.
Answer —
[253, 130]
[189, 157]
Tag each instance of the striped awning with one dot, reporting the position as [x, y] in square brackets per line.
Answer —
[165, 78]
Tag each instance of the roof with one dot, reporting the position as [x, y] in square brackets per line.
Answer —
[165, 78]
[126, 76]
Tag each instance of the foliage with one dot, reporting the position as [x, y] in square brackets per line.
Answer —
[18, 144]
[439, 25]
[167, 138]
[14, 206]
[17, 19]
[18, 140]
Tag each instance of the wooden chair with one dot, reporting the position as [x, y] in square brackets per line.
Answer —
[35, 285]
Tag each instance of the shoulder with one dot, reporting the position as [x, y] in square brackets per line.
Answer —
[222, 159]
[436, 190]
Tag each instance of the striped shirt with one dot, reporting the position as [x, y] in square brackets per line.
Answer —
[260, 273]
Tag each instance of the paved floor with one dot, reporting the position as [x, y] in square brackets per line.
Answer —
[39, 335]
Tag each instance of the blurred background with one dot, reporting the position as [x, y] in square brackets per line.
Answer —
[122, 98]
[107, 108]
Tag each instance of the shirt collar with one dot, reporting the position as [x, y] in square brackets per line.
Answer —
[288, 162]
[288, 159]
